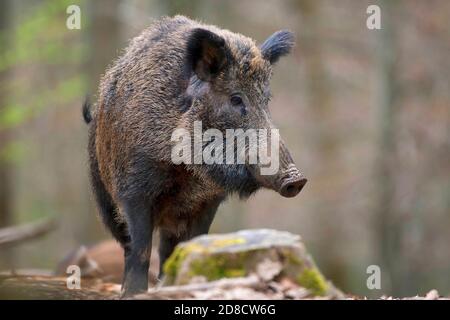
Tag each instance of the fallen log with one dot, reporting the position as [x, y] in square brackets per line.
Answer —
[14, 235]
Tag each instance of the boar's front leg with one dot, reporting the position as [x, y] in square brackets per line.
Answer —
[137, 252]
[200, 225]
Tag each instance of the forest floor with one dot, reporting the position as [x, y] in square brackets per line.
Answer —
[256, 264]
[248, 288]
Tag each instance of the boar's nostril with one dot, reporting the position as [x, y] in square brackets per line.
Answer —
[291, 188]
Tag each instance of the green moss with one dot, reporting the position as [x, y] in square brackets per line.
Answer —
[173, 263]
[312, 280]
[235, 273]
[212, 267]
[292, 258]
[220, 243]
[218, 266]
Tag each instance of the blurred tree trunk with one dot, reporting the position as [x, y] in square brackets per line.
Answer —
[388, 225]
[6, 214]
[104, 45]
[321, 104]
[105, 38]
[184, 7]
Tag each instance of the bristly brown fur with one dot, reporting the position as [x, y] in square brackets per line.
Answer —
[167, 78]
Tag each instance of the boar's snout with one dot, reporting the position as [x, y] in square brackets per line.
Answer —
[292, 182]
[288, 181]
[291, 187]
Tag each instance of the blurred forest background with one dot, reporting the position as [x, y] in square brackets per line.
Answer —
[365, 113]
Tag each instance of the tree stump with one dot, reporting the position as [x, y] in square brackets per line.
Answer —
[269, 254]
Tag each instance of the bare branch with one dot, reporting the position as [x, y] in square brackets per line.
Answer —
[17, 234]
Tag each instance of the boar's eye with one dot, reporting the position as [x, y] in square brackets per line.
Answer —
[236, 101]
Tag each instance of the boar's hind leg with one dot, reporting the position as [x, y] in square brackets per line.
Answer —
[137, 252]
[105, 204]
[199, 226]
[106, 207]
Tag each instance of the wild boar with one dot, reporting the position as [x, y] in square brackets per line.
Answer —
[175, 73]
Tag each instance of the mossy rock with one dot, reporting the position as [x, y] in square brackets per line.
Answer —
[268, 253]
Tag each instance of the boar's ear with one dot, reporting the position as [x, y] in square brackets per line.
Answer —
[207, 53]
[277, 45]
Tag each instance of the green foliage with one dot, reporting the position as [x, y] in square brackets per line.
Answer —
[40, 60]
[14, 114]
[40, 37]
